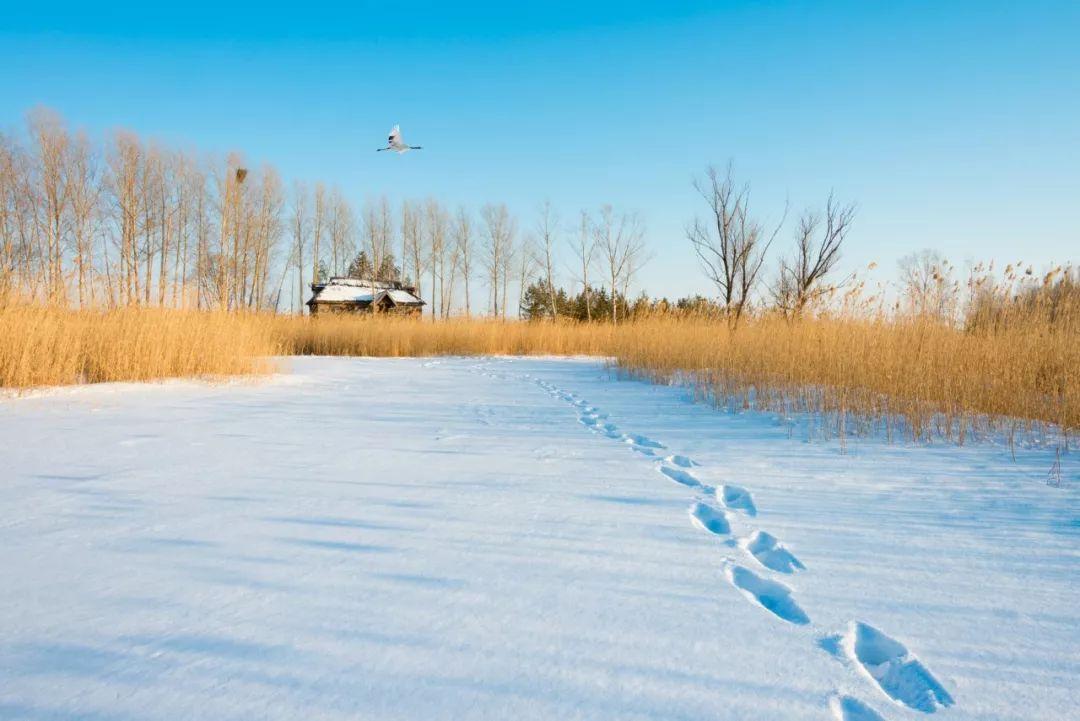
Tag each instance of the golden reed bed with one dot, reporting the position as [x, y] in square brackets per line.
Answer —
[927, 376]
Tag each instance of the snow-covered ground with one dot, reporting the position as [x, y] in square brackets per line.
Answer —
[515, 539]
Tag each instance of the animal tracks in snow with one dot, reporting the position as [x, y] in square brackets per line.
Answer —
[898, 673]
[773, 596]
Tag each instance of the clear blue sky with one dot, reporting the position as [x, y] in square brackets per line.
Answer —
[953, 125]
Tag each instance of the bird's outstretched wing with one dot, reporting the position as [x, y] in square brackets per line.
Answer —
[395, 135]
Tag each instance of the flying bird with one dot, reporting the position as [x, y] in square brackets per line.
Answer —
[396, 144]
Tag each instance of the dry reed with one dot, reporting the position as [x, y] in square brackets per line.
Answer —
[918, 377]
[42, 346]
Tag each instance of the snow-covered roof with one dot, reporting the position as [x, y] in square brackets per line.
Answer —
[403, 297]
[363, 282]
[354, 290]
[344, 294]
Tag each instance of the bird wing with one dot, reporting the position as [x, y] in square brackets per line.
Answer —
[395, 135]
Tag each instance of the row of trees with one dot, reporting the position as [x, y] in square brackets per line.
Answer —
[129, 222]
[732, 247]
[134, 223]
[443, 254]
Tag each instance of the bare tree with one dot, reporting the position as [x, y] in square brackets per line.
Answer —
[802, 280]
[584, 247]
[201, 210]
[341, 227]
[190, 188]
[621, 242]
[125, 163]
[435, 227]
[301, 231]
[927, 285]
[529, 255]
[499, 232]
[732, 246]
[412, 241]
[85, 191]
[53, 150]
[378, 234]
[463, 242]
[546, 230]
[318, 227]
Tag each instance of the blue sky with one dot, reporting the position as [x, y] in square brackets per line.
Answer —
[953, 125]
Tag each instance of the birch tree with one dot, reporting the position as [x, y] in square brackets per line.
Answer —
[546, 234]
[584, 248]
[498, 237]
[463, 241]
[621, 243]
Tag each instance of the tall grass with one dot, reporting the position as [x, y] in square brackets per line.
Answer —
[387, 336]
[917, 377]
[42, 345]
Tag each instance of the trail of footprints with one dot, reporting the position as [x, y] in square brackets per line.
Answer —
[877, 657]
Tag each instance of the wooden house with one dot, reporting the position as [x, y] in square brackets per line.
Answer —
[364, 295]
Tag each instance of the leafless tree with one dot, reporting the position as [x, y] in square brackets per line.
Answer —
[318, 227]
[125, 169]
[499, 231]
[584, 248]
[529, 260]
[928, 286]
[85, 191]
[732, 245]
[378, 236]
[803, 279]
[621, 243]
[435, 234]
[412, 241]
[53, 150]
[341, 228]
[463, 242]
[301, 231]
[546, 230]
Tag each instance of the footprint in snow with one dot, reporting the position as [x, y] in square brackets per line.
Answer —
[643, 441]
[709, 519]
[682, 461]
[770, 553]
[680, 476]
[737, 498]
[611, 431]
[846, 708]
[894, 669]
[773, 596]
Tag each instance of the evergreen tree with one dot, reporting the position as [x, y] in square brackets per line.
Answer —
[388, 269]
[360, 267]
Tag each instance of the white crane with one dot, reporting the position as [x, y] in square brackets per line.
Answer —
[396, 144]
